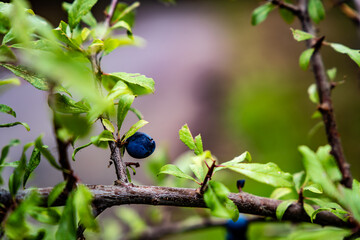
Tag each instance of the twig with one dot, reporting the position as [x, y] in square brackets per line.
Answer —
[207, 177]
[111, 12]
[288, 6]
[106, 196]
[324, 92]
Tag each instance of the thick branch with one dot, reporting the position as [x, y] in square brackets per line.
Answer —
[108, 196]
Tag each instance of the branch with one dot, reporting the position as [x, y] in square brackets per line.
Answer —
[288, 6]
[324, 92]
[106, 196]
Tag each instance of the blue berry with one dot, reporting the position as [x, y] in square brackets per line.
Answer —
[237, 230]
[140, 145]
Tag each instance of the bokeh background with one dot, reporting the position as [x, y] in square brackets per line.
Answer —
[239, 86]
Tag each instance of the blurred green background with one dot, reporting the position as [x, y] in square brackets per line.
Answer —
[239, 86]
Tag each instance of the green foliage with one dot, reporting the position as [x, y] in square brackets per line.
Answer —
[260, 14]
[316, 10]
[305, 57]
[301, 35]
[352, 53]
[281, 208]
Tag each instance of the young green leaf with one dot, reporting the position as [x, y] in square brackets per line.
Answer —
[260, 13]
[131, 218]
[10, 164]
[13, 81]
[309, 210]
[268, 173]
[301, 35]
[46, 153]
[331, 73]
[139, 84]
[82, 202]
[316, 10]
[79, 9]
[244, 156]
[31, 166]
[110, 44]
[5, 149]
[300, 180]
[305, 57]
[316, 172]
[6, 55]
[124, 105]
[78, 149]
[67, 224]
[352, 53]
[278, 193]
[315, 188]
[6, 109]
[55, 193]
[88, 18]
[34, 79]
[313, 94]
[137, 113]
[102, 139]
[134, 128]
[108, 125]
[287, 15]
[216, 199]
[186, 137]
[175, 171]
[63, 104]
[343, 215]
[15, 124]
[282, 207]
[328, 162]
[198, 145]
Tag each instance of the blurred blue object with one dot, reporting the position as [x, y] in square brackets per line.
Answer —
[140, 145]
[240, 183]
[237, 230]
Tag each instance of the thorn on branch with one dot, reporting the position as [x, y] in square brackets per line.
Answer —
[208, 176]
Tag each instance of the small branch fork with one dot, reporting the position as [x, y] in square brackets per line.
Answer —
[208, 176]
[324, 89]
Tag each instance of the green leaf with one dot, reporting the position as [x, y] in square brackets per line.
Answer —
[55, 193]
[198, 145]
[6, 55]
[124, 105]
[299, 180]
[268, 173]
[186, 137]
[5, 149]
[305, 57]
[316, 10]
[352, 53]
[6, 109]
[108, 125]
[260, 13]
[315, 188]
[132, 219]
[117, 87]
[343, 215]
[313, 94]
[198, 166]
[137, 113]
[79, 9]
[216, 198]
[309, 210]
[63, 33]
[331, 73]
[72, 126]
[14, 124]
[282, 207]
[45, 215]
[328, 162]
[87, 18]
[175, 171]
[352, 197]
[155, 162]
[125, 13]
[46, 153]
[287, 15]
[63, 104]
[316, 172]
[67, 224]
[102, 139]
[78, 149]
[14, 81]
[278, 193]
[31, 166]
[17, 175]
[301, 35]
[11, 164]
[244, 156]
[82, 202]
[134, 128]
[34, 79]
[122, 24]
[139, 84]
[110, 44]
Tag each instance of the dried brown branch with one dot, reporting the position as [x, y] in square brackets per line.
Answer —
[107, 196]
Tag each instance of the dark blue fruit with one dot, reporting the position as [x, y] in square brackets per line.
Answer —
[237, 230]
[140, 145]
